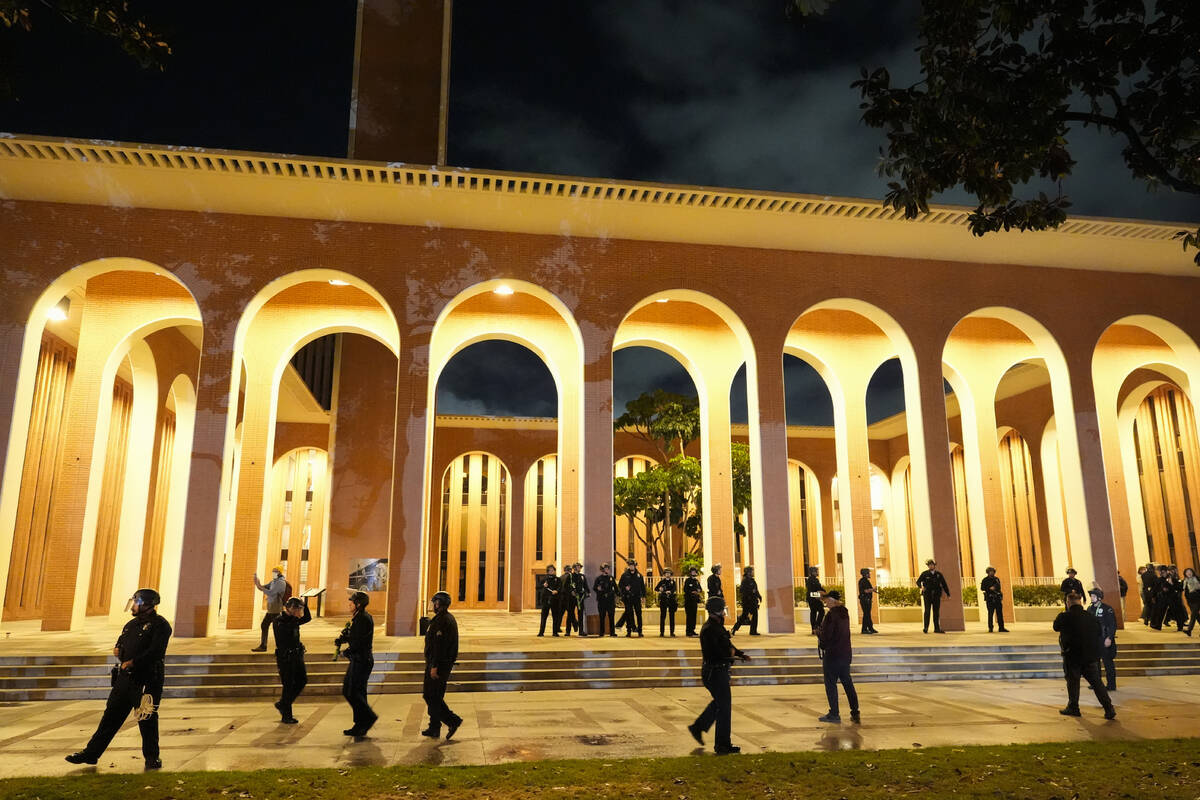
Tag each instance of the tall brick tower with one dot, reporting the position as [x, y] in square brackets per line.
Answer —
[401, 80]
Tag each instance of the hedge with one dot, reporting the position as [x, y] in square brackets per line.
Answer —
[1037, 596]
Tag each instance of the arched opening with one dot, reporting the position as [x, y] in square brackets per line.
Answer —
[473, 531]
[1168, 464]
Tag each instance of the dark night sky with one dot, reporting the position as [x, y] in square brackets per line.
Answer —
[699, 92]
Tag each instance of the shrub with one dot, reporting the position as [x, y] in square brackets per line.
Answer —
[970, 595]
[1036, 596]
[899, 596]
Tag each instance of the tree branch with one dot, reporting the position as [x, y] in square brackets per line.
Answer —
[1121, 124]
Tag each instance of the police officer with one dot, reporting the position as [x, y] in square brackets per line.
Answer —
[993, 596]
[667, 602]
[748, 590]
[1108, 636]
[551, 588]
[1079, 639]
[358, 637]
[289, 655]
[866, 596]
[718, 653]
[441, 651]
[1070, 585]
[633, 589]
[933, 585]
[692, 593]
[140, 650]
[1159, 587]
[606, 599]
[577, 594]
[815, 591]
[570, 608]
[275, 589]
[714, 582]
[1146, 580]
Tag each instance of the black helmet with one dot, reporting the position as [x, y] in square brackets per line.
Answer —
[443, 598]
[360, 599]
[149, 597]
[715, 605]
[294, 602]
[865, 571]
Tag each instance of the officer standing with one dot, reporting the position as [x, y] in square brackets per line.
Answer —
[748, 590]
[833, 646]
[1123, 589]
[551, 588]
[718, 653]
[1079, 639]
[1070, 584]
[633, 590]
[137, 682]
[993, 596]
[933, 585]
[275, 590]
[1158, 597]
[441, 651]
[606, 599]
[714, 582]
[1146, 579]
[358, 637]
[815, 591]
[289, 655]
[578, 597]
[667, 602]
[1107, 618]
[866, 595]
[692, 592]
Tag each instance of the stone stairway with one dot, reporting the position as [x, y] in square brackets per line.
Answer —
[26, 678]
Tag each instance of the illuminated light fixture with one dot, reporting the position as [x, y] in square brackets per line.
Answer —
[662, 300]
[504, 289]
[60, 310]
[338, 282]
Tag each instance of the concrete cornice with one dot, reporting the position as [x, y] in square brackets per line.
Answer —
[192, 179]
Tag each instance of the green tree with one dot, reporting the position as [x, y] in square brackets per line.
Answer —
[1003, 82]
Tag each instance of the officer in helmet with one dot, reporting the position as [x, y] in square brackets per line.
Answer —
[719, 653]
[358, 636]
[441, 651]
[137, 681]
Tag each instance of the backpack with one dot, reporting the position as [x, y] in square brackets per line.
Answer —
[287, 591]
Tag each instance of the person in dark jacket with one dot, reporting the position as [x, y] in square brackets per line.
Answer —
[751, 599]
[1070, 584]
[833, 646]
[1122, 589]
[441, 651]
[1079, 639]
[576, 590]
[289, 655]
[137, 682]
[1146, 580]
[933, 586]
[866, 597]
[1176, 611]
[993, 596]
[551, 589]
[668, 604]
[1191, 592]
[1107, 618]
[358, 636]
[714, 582]
[718, 654]
[633, 591]
[606, 599]
[693, 593]
[815, 591]
[1159, 588]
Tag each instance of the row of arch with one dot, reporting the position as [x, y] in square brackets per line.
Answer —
[135, 316]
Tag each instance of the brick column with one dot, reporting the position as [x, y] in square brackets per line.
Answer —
[854, 490]
[409, 490]
[769, 476]
[597, 460]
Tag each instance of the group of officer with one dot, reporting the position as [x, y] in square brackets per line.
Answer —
[1164, 594]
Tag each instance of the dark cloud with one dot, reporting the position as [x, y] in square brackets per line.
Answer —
[497, 378]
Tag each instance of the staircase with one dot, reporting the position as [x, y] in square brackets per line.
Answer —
[29, 678]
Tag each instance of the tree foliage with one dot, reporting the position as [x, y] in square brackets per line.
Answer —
[1005, 80]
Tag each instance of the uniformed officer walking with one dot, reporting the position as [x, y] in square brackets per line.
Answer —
[718, 653]
[933, 585]
[993, 596]
[289, 655]
[692, 592]
[551, 588]
[748, 590]
[1107, 618]
[358, 637]
[137, 682]
[633, 591]
[667, 602]
[606, 599]
[1079, 639]
[815, 591]
[441, 651]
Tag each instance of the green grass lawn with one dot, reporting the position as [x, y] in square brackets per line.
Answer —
[1163, 768]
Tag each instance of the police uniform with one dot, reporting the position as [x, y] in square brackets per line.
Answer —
[606, 601]
[691, 602]
[576, 593]
[714, 586]
[1108, 630]
[1069, 585]
[143, 641]
[993, 597]
[718, 653]
[441, 651]
[933, 585]
[633, 589]
[748, 590]
[289, 657]
[816, 609]
[1079, 639]
[668, 604]
[866, 597]
[358, 638]
[551, 589]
